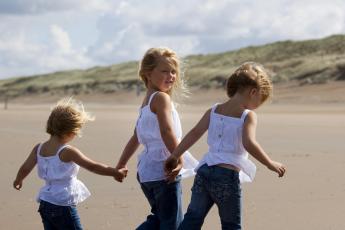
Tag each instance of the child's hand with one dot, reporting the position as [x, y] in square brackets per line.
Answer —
[173, 174]
[17, 184]
[120, 174]
[170, 164]
[277, 167]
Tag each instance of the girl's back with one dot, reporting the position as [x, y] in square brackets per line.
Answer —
[225, 143]
[61, 184]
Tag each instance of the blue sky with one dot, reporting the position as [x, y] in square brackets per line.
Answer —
[42, 36]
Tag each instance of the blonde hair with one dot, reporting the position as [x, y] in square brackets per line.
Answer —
[68, 116]
[153, 57]
[250, 74]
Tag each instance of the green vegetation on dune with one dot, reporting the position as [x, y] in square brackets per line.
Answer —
[315, 60]
[307, 62]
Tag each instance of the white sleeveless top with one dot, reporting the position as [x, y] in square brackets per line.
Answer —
[62, 186]
[225, 144]
[151, 159]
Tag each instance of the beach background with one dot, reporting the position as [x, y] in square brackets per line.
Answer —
[90, 49]
[303, 127]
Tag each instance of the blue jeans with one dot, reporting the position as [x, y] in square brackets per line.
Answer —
[214, 184]
[166, 205]
[56, 217]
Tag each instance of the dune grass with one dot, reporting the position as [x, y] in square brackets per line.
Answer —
[307, 62]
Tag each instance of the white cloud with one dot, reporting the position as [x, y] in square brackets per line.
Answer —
[61, 39]
[212, 26]
[21, 56]
[43, 36]
[46, 6]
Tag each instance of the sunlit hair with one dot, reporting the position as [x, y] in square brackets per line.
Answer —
[67, 116]
[250, 74]
[153, 57]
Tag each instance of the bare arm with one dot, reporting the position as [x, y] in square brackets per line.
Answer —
[253, 147]
[25, 169]
[192, 136]
[161, 105]
[131, 146]
[73, 154]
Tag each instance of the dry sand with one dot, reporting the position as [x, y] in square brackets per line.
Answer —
[307, 136]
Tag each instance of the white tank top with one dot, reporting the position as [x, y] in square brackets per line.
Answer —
[225, 144]
[151, 159]
[62, 186]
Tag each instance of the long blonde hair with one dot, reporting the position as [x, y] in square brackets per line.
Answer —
[151, 59]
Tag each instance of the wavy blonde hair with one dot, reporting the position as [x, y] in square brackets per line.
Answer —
[153, 57]
[67, 116]
[250, 74]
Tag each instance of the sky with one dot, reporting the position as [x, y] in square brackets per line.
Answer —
[43, 36]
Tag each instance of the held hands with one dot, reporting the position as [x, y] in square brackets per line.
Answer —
[277, 167]
[120, 173]
[172, 168]
[170, 163]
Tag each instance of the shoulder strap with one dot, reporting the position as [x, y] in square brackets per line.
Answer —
[38, 151]
[60, 149]
[244, 114]
[151, 97]
[214, 107]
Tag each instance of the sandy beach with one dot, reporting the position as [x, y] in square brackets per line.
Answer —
[306, 135]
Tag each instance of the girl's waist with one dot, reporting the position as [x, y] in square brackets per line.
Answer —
[221, 153]
[232, 161]
[229, 166]
[154, 143]
[62, 182]
[155, 148]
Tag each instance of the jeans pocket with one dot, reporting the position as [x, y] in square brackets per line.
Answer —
[222, 193]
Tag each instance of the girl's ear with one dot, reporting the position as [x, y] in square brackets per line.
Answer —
[148, 76]
[253, 91]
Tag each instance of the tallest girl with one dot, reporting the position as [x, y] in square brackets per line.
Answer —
[158, 128]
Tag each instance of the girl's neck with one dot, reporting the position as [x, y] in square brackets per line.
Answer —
[237, 102]
[50, 147]
[58, 140]
[151, 89]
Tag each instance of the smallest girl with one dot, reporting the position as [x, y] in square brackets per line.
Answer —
[58, 165]
[231, 135]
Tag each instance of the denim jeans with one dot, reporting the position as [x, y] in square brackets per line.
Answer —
[166, 205]
[214, 185]
[56, 217]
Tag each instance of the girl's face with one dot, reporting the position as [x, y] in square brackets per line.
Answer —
[162, 77]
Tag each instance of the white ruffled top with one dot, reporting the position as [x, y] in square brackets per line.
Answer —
[151, 159]
[225, 144]
[61, 184]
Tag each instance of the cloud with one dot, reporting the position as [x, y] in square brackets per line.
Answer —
[61, 39]
[120, 31]
[22, 56]
[46, 6]
[206, 26]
